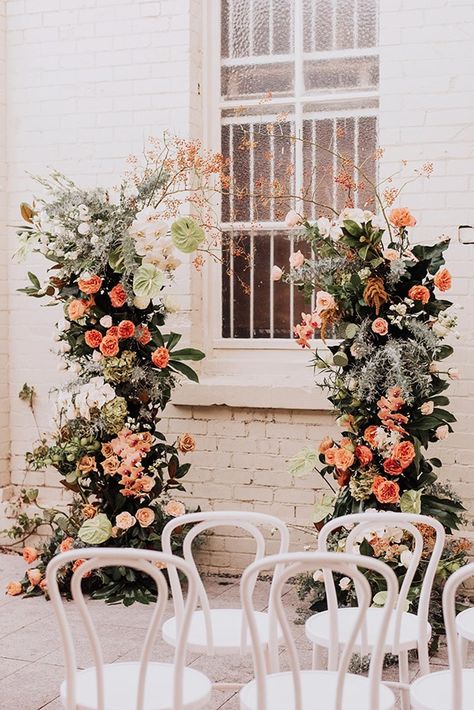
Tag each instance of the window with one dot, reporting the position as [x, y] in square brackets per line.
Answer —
[319, 61]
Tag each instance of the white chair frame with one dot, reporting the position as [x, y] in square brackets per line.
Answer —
[291, 564]
[143, 561]
[359, 524]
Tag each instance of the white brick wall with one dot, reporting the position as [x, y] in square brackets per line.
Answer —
[90, 79]
[4, 418]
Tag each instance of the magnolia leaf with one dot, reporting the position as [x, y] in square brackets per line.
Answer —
[323, 508]
[148, 281]
[186, 234]
[303, 463]
[410, 502]
[96, 530]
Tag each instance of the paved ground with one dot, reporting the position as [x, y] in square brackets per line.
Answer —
[31, 662]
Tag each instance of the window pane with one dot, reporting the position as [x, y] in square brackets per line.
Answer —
[239, 82]
[342, 74]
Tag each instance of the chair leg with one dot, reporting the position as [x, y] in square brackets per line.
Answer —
[423, 658]
[463, 649]
[405, 679]
[316, 659]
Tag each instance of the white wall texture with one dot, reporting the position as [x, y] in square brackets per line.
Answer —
[88, 81]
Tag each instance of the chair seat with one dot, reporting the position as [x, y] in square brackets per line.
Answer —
[226, 631]
[317, 628]
[433, 691]
[465, 624]
[121, 682]
[318, 691]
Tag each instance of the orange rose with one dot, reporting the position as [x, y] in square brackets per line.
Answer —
[143, 334]
[126, 329]
[326, 444]
[161, 357]
[109, 346]
[442, 280]
[404, 452]
[87, 464]
[34, 576]
[111, 465]
[392, 467]
[14, 588]
[90, 285]
[76, 309]
[30, 554]
[343, 459]
[364, 455]
[107, 449]
[93, 338]
[145, 517]
[76, 564]
[330, 455]
[419, 293]
[385, 491]
[66, 544]
[112, 331]
[186, 443]
[117, 296]
[369, 435]
[401, 217]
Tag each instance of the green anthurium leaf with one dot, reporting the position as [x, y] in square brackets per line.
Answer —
[96, 530]
[148, 281]
[410, 502]
[186, 234]
[323, 508]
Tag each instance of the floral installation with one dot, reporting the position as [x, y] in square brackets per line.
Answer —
[111, 259]
[385, 300]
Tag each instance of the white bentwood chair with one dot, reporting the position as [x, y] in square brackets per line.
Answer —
[217, 631]
[335, 689]
[406, 631]
[452, 689]
[141, 685]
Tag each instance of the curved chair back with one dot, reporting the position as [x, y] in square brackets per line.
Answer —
[449, 613]
[249, 521]
[359, 525]
[346, 564]
[145, 561]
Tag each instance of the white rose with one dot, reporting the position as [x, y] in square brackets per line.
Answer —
[292, 219]
[442, 432]
[318, 576]
[276, 273]
[84, 228]
[344, 583]
[324, 226]
[439, 330]
[106, 321]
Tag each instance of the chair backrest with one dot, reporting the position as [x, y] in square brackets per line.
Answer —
[249, 521]
[145, 561]
[349, 565]
[361, 525]
[449, 613]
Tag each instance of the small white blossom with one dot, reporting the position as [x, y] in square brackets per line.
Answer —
[344, 583]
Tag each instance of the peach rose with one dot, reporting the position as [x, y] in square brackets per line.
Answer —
[109, 346]
[392, 467]
[30, 554]
[160, 357]
[419, 293]
[427, 408]
[66, 544]
[385, 491]
[324, 301]
[175, 508]
[186, 443]
[87, 464]
[330, 455]
[76, 309]
[404, 452]
[43, 585]
[347, 443]
[145, 517]
[380, 326]
[124, 521]
[147, 483]
[369, 435]
[391, 254]
[90, 285]
[14, 588]
[276, 273]
[117, 296]
[111, 464]
[326, 444]
[343, 459]
[296, 259]
[143, 334]
[442, 432]
[364, 455]
[93, 338]
[443, 280]
[34, 576]
[126, 329]
[107, 450]
[401, 217]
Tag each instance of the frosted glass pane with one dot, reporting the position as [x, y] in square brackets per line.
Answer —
[367, 23]
[339, 24]
[342, 74]
[260, 28]
[282, 24]
[345, 25]
[239, 28]
[257, 80]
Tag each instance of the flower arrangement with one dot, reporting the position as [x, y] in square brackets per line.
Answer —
[111, 261]
[384, 299]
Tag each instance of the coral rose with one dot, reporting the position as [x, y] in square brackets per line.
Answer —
[326, 444]
[330, 455]
[112, 331]
[401, 217]
[160, 357]
[90, 285]
[145, 517]
[427, 408]
[126, 329]
[34, 576]
[343, 459]
[109, 346]
[175, 508]
[364, 455]
[30, 554]
[419, 293]
[14, 588]
[404, 452]
[380, 326]
[385, 491]
[443, 280]
[117, 296]
[76, 309]
[147, 483]
[66, 544]
[93, 338]
[125, 521]
[392, 467]
[369, 435]
[186, 443]
[143, 334]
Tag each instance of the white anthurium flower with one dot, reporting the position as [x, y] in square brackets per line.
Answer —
[318, 576]
[345, 583]
[354, 214]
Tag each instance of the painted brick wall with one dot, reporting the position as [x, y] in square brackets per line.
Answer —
[4, 418]
[88, 84]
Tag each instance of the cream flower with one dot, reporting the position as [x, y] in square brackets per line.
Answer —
[125, 520]
[175, 508]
